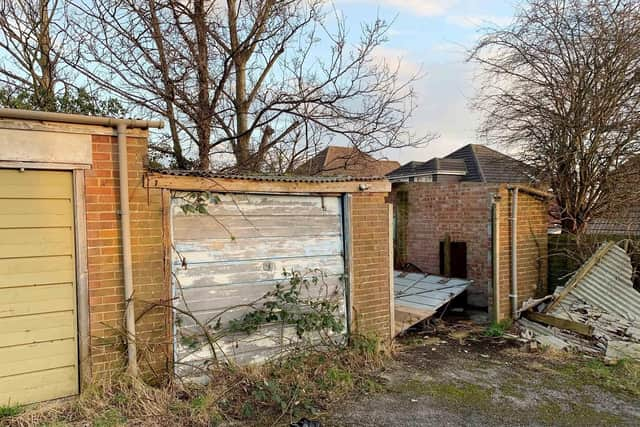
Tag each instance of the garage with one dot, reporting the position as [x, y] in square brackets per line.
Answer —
[238, 250]
[38, 338]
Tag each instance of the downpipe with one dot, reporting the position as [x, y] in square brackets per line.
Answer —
[513, 295]
[125, 226]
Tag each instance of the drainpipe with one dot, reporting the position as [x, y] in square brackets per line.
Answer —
[125, 226]
[514, 252]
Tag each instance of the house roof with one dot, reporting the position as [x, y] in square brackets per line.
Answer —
[347, 161]
[624, 222]
[432, 166]
[485, 164]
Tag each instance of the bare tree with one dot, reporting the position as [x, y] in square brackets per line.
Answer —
[26, 40]
[251, 84]
[563, 85]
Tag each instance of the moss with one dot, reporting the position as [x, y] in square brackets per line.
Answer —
[551, 413]
[621, 378]
[462, 395]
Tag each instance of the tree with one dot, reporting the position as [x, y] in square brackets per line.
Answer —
[562, 83]
[31, 71]
[253, 84]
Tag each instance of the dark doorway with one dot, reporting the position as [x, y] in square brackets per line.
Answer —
[457, 260]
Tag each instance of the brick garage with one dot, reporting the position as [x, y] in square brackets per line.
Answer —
[425, 213]
[87, 150]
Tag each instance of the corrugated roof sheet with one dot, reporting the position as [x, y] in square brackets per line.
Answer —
[605, 282]
[271, 178]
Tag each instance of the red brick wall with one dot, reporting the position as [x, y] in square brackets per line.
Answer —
[463, 210]
[532, 262]
[106, 289]
[371, 269]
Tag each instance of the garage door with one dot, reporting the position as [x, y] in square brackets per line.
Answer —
[38, 351]
[238, 251]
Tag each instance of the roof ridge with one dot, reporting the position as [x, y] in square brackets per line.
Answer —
[475, 159]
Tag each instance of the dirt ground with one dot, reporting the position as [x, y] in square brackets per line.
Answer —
[456, 376]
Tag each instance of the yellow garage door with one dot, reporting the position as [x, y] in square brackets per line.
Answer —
[38, 349]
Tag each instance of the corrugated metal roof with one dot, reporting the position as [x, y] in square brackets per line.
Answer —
[426, 291]
[272, 178]
[605, 282]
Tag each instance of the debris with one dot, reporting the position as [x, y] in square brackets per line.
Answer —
[597, 312]
[552, 342]
[618, 350]
[559, 322]
[533, 303]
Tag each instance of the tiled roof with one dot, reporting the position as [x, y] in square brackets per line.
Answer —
[432, 166]
[334, 160]
[272, 178]
[488, 165]
[624, 224]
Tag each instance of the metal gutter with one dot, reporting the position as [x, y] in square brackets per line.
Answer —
[45, 116]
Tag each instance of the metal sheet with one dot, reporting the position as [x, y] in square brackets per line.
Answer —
[607, 284]
[428, 292]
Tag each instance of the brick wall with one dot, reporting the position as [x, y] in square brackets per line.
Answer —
[462, 210]
[371, 276]
[106, 289]
[532, 260]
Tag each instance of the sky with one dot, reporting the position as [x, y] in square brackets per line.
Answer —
[433, 36]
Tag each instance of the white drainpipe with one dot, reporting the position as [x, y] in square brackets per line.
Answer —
[514, 252]
[121, 126]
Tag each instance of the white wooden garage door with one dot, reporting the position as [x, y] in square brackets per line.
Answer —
[238, 252]
[38, 350]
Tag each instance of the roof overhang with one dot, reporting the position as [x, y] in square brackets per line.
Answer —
[219, 183]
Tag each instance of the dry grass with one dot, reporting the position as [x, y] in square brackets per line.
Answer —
[273, 394]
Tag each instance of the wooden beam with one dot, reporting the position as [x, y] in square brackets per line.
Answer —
[248, 185]
[558, 322]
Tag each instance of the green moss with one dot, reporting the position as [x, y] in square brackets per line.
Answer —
[551, 413]
[621, 378]
[461, 395]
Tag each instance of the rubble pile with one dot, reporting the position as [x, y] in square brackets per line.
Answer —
[597, 312]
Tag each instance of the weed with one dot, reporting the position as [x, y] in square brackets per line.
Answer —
[109, 418]
[9, 410]
[497, 329]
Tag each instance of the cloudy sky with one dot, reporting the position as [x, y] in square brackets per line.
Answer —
[432, 35]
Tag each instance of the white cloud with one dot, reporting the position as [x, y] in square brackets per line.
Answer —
[476, 21]
[419, 7]
[397, 58]
[443, 108]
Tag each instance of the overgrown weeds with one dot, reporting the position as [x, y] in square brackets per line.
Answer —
[497, 329]
[277, 393]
